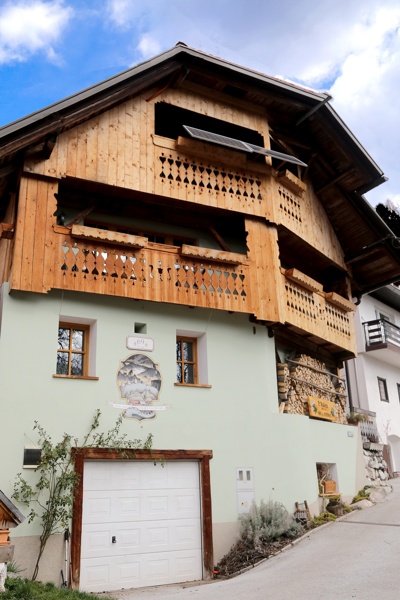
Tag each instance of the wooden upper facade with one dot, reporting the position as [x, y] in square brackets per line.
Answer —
[106, 192]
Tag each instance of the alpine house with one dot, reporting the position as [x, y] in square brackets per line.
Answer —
[182, 244]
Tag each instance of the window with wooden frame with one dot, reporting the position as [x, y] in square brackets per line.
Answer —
[383, 393]
[186, 360]
[73, 350]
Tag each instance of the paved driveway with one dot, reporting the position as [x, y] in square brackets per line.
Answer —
[356, 557]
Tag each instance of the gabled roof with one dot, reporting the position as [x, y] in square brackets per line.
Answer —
[9, 512]
[302, 121]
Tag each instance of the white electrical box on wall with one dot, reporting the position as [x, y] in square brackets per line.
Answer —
[244, 489]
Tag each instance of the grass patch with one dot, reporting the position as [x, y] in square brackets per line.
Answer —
[23, 589]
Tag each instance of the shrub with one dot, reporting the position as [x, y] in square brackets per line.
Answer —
[324, 517]
[361, 495]
[266, 523]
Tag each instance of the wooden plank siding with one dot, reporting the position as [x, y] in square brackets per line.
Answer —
[119, 148]
[7, 243]
[265, 279]
[56, 259]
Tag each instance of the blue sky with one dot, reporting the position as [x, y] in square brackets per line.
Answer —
[50, 49]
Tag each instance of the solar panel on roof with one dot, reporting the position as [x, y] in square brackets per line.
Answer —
[276, 154]
[223, 140]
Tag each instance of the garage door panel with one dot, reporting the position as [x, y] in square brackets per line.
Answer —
[156, 526]
[128, 506]
[97, 539]
[141, 570]
[111, 475]
[112, 506]
[97, 576]
[141, 537]
[127, 474]
[182, 475]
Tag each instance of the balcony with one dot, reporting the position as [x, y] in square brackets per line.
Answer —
[86, 259]
[383, 337]
[148, 271]
[327, 318]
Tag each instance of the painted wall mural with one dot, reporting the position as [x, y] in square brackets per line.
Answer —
[139, 383]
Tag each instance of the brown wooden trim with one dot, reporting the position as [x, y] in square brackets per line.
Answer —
[232, 258]
[70, 351]
[109, 237]
[76, 532]
[198, 385]
[82, 454]
[208, 553]
[7, 230]
[89, 377]
[61, 229]
[41, 176]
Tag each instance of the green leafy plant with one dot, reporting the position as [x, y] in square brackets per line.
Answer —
[50, 498]
[362, 494]
[324, 517]
[13, 567]
[22, 589]
[353, 418]
[268, 522]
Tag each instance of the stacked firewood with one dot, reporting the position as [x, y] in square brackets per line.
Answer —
[302, 376]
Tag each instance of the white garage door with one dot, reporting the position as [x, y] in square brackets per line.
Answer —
[141, 524]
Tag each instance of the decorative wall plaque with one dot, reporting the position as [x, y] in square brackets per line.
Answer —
[139, 383]
[322, 409]
[137, 342]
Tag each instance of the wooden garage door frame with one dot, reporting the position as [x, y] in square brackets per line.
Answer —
[82, 454]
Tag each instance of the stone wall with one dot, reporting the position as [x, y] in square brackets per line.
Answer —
[375, 465]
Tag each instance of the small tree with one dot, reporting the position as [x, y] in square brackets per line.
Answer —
[50, 498]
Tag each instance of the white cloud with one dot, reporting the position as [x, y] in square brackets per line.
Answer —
[371, 57]
[138, 13]
[366, 90]
[349, 48]
[148, 46]
[28, 27]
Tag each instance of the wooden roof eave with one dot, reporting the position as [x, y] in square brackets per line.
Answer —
[83, 105]
[10, 509]
[376, 235]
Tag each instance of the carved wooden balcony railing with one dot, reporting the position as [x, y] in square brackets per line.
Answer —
[326, 316]
[198, 277]
[151, 273]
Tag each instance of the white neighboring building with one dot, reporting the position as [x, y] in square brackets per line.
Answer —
[374, 376]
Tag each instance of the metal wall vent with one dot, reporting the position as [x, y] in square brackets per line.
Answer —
[222, 140]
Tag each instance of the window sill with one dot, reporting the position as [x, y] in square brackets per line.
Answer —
[196, 385]
[89, 377]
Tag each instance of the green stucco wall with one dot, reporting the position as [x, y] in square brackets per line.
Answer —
[237, 418]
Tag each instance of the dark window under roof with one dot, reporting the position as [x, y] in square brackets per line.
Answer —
[169, 121]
